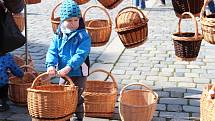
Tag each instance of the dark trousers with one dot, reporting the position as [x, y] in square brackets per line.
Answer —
[163, 2]
[140, 3]
[3, 94]
[211, 6]
[80, 83]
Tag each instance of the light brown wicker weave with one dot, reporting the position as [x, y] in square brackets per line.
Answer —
[99, 29]
[32, 1]
[132, 27]
[100, 96]
[20, 60]
[51, 101]
[80, 2]
[20, 20]
[137, 104]
[110, 4]
[207, 105]
[18, 86]
[55, 20]
[187, 44]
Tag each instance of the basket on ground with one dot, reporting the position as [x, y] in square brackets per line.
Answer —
[99, 29]
[132, 31]
[137, 104]
[80, 2]
[192, 6]
[18, 86]
[187, 44]
[110, 4]
[32, 1]
[20, 20]
[55, 20]
[51, 101]
[100, 96]
[207, 105]
[208, 25]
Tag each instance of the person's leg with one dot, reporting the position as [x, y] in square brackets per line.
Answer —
[211, 6]
[163, 2]
[136, 2]
[143, 4]
[4, 97]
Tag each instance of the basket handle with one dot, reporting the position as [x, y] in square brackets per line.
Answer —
[46, 73]
[108, 73]
[53, 11]
[194, 21]
[95, 6]
[132, 9]
[27, 66]
[139, 84]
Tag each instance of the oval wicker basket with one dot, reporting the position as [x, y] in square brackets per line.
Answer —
[110, 4]
[20, 20]
[208, 25]
[55, 20]
[132, 31]
[32, 1]
[98, 91]
[137, 104]
[18, 86]
[187, 44]
[80, 2]
[98, 29]
[192, 6]
[207, 105]
[51, 101]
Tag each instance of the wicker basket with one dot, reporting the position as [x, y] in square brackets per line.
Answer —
[32, 1]
[132, 31]
[187, 44]
[137, 104]
[55, 20]
[99, 29]
[20, 20]
[207, 105]
[51, 101]
[20, 60]
[100, 97]
[18, 86]
[192, 6]
[110, 4]
[80, 2]
[208, 25]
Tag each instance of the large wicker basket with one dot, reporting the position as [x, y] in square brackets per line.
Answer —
[99, 29]
[18, 86]
[208, 25]
[132, 31]
[80, 2]
[137, 104]
[55, 20]
[32, 1]
[187, 44]
[100, 97]
[20, 20]
[192, 6]
[51, 101]
[110, 4]
[207, 105]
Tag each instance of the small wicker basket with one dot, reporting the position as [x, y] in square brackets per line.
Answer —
[99, 29]
[207, 105]
[100, 97]
[192, 6]
[80, 2]
[187, 44]
[137, 104]
[20, 20]
[51, 101]
[55, 20]
[110, 4]
[132, 31]
[32, 1]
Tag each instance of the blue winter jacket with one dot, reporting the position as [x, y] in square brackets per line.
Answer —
[7, 63]
[70, 50]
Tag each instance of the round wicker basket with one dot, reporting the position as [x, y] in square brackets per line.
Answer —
[55, 20]
[132, 31]
[110, 4]
[20, 20]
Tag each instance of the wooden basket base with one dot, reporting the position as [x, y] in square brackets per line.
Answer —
[57, 119]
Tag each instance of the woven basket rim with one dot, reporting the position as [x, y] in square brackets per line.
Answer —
[48, 91]
[199, 36]
[112, 92]
[131, 27]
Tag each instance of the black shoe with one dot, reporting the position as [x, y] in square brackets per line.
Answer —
[4, 107]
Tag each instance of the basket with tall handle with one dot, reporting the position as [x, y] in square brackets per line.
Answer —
[55, 20]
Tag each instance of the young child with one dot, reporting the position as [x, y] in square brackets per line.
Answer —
[69, 50]
[7, 63]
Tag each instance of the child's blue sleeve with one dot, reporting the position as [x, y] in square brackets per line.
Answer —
[15, 70]
[81, 52]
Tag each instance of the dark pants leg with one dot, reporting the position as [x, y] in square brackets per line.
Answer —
[143, 4]
[136, 2]
[4, 94]
[211, 6]
[80, 82]
[163, 2]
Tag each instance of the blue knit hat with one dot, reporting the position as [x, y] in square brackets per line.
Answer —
[69, 8]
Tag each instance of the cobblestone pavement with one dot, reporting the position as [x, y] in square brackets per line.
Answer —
[179, 84]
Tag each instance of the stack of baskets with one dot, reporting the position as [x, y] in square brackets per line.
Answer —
[18, 86]
[187, 44]
[55, 20]
[110, 4]
[100, 97]
[51, 101]
[192, 6]
[208, 25]
[132, 27]
[207, 105]
[20, 20]
[99, 29]
[137, 104]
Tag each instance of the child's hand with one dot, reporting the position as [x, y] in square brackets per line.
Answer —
[51, 71]
[64, 71]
